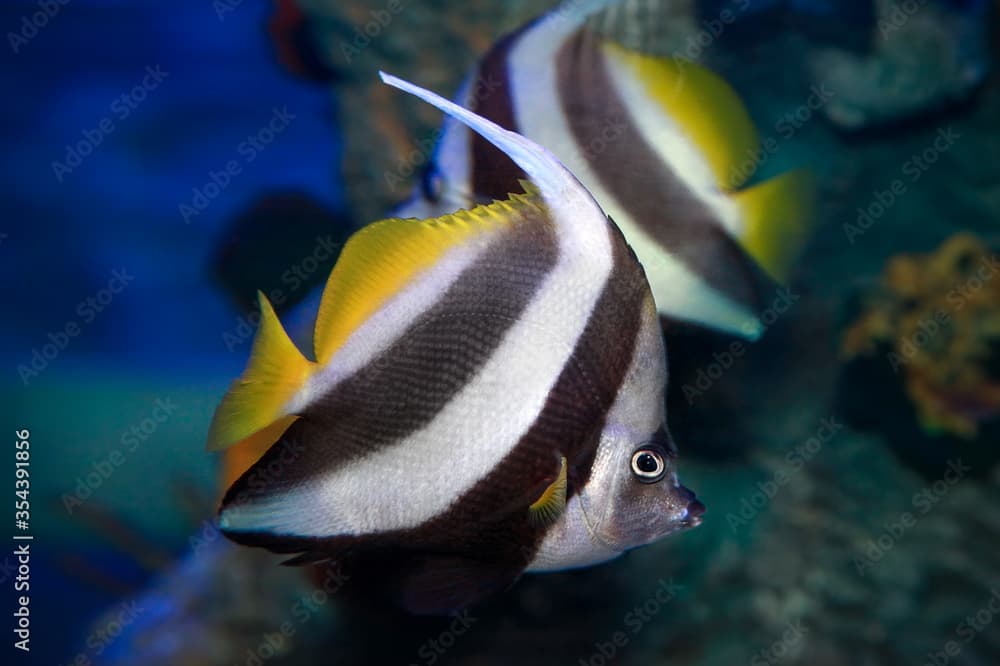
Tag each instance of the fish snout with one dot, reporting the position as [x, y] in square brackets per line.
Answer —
[691, 516]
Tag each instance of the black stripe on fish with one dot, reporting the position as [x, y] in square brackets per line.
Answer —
[569, 425]
[494, 174]
[490, 522]
[406, 386]
[646, 187]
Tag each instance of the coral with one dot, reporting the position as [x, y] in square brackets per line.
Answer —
[937, 317]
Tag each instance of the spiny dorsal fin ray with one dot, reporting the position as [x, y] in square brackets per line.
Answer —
[578, 217]
[275, 372]
[381, 259]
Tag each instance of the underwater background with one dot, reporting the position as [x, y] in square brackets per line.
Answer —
[166, 160]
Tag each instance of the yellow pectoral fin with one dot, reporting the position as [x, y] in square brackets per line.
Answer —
[385, 256]
[275, 373]
[703, 105]
[547, 508]
[777, 217]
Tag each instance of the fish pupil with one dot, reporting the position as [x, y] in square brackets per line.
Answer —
[647, 463]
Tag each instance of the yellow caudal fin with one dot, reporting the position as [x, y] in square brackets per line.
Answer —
[777, 218]
[706, 109]
[258, 399]
[384, 257]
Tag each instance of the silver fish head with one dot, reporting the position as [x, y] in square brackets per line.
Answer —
[633, 497]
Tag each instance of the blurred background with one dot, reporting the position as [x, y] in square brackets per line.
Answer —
[166, 160]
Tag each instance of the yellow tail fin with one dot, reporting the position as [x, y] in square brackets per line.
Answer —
[777, 217]
[258, 399]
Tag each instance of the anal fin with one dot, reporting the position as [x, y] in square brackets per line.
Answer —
[444, 585]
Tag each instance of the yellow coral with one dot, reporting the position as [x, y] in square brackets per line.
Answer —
[938, 315]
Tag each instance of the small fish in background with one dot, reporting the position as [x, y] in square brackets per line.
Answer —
[665, 145]
[486, 399]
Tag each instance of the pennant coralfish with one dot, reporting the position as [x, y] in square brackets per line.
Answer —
[486, 398]
[665, 145]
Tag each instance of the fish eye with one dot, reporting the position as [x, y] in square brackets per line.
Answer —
[432, 183]
[648, 465]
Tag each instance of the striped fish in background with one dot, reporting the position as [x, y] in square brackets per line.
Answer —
[665, 145]
[486, 398]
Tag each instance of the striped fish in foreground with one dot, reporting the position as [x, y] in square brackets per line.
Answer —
[665, 145]
[486, 399]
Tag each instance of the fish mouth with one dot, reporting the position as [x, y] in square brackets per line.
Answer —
[693, 514]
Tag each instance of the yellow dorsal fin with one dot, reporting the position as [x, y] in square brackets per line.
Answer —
[777, 219]
[384, 257]
[547, 508]
[704, 106]
[275, 372]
